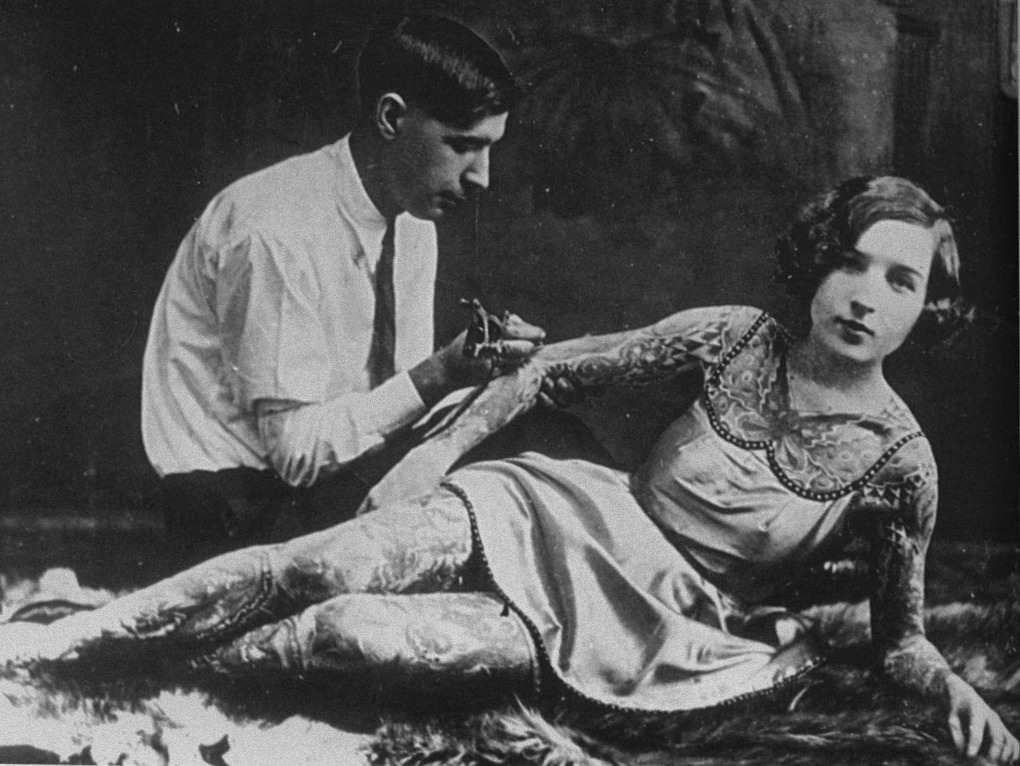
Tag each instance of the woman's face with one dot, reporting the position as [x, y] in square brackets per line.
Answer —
[865, 308]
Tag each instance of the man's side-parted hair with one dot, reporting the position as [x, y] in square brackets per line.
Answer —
[438, 65]
[829, 226]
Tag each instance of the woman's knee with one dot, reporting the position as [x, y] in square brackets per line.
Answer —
[419, 545]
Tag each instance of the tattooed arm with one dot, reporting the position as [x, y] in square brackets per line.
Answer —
[634, 357]
[897, 623]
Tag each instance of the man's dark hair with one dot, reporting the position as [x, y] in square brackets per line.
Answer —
[437, 65]
[830, 225]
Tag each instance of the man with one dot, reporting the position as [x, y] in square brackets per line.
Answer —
[292, 338]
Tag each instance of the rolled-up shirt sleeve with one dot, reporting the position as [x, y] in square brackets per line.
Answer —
[305, 441]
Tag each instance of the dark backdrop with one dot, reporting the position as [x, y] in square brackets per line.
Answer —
[659, 152]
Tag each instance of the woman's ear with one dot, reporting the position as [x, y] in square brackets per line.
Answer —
[389, 113]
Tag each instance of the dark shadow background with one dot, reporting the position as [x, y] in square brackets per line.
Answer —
[659, 152]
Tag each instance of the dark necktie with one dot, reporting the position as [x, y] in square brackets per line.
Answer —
[384, 328]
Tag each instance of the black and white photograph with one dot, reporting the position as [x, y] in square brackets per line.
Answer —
[578, 382]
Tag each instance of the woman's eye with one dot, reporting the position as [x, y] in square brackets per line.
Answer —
[903, 283]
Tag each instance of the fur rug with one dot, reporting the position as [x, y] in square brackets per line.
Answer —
[840, 714]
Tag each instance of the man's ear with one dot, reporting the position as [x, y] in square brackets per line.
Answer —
[389, 113]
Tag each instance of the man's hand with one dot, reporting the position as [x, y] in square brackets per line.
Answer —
[451, 368]
[976, 728]
[517, 341]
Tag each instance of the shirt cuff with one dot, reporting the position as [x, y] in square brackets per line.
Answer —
[395, 403]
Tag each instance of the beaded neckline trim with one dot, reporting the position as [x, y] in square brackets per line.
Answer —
[712, 382]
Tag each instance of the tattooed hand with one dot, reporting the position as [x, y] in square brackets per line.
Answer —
[559, 389]
[976, 728]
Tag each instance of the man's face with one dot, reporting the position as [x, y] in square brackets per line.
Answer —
[435, 167]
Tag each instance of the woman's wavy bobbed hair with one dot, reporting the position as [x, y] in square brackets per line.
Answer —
[832, 223]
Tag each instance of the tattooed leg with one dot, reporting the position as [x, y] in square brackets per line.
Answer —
[403, 644]
[416, 545]
[423, 545]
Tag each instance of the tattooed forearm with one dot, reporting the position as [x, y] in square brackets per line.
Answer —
[677, 343]
[634, 357]
[898, 573]
[637, 360]
[897, 608]
[918, 665]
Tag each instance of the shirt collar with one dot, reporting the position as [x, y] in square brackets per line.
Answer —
[356, 206]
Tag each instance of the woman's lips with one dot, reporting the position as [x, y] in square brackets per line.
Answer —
[855, 326]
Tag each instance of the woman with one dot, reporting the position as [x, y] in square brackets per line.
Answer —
[647, 591]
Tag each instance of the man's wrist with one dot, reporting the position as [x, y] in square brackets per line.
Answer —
[431, 379]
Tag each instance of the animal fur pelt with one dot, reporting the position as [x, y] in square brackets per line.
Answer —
[840, 714]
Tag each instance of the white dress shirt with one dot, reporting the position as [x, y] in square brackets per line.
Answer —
[271, 297]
